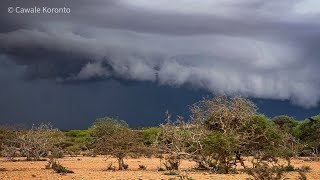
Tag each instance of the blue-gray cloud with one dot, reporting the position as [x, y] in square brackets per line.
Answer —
[263, 49]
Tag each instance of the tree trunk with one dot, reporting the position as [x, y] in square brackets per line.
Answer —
[289, 161]
[238, 157]
[226, 166]
[120, 161]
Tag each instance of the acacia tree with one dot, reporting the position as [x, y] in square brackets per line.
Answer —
[178, 140]
[113, 137]
[308, 131]
[223, 118]
[211, 135]
[286, 125]
[220, 131]
[7, 137]
[35, 143]
[222, 113]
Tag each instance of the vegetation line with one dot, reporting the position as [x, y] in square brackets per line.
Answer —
[223, 135]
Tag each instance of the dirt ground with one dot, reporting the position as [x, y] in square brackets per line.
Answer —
[95, 168]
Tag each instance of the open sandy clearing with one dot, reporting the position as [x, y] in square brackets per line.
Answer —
[94, 168]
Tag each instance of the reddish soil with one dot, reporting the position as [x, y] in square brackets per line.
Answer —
[95, 168]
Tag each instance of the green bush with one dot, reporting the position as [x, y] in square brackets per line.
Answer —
[262, 131]
[285, 123]
[77, 133]
[289, 168]
[150, 135]
[78, 139]
[171, 173]
[221, 146]
[308, 132]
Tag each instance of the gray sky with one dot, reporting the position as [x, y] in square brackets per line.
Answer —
[254, 48]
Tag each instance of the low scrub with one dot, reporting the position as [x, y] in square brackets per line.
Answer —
[171, 173]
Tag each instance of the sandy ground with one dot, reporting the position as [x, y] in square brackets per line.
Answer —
[95, 168]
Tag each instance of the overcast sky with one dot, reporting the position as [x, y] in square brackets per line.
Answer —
[135, 59]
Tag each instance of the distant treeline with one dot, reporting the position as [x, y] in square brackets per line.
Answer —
[219, 134]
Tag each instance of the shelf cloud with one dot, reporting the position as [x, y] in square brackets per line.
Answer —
[254, 48]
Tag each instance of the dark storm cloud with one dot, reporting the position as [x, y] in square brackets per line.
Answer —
[265, 49]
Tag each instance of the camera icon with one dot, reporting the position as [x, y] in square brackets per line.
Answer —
[10, 10]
